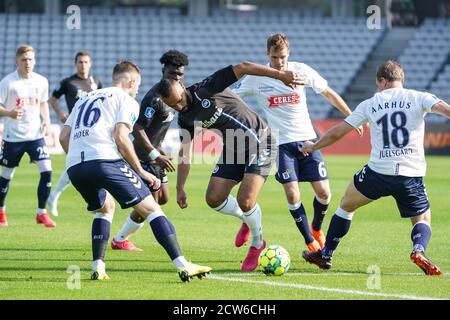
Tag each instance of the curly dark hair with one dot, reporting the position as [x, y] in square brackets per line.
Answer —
[174, 58]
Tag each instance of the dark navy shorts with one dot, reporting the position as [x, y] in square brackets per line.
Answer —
[12, 152]
[157, 171]
[294, 166]
[93, 178]
[409, 192]
[260, 163]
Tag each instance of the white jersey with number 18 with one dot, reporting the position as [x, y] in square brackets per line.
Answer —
[93, 120]
[397, 126]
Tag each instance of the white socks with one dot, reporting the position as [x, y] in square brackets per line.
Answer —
[180, 262]
[128, 228]
[98, 264]
[62, 184]
[230, 207]
[253, 220]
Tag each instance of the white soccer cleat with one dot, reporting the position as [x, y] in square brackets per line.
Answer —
[52, 206]
[99, 274]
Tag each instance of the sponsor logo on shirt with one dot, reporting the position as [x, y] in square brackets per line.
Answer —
[276, 101]
[213, 119]
[20, 102]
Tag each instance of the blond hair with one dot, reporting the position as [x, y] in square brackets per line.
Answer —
[23, 49]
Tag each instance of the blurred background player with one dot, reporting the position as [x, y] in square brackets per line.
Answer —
[397, 163]
[72, 88]
[96, 137]
[23, 100]
[287, 114]
[149, 132]
[248, 147]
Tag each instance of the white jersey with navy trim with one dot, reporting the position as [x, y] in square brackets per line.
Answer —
[28, 94]
[93, 120]
[397, 126]
[285, 108]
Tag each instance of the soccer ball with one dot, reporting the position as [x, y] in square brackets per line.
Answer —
[274, 260]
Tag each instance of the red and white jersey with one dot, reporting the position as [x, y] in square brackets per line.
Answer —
[93, 120]
[285, 108]
[28, 94]
[396, 118]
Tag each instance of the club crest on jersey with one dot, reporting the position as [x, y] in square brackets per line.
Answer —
[276, 101]
[149, 112]
[206, 103]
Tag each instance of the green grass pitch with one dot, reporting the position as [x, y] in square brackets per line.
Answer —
[34, 260]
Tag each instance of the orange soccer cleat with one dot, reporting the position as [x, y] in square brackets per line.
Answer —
[419, 258]
[314, 246]
[318, 235]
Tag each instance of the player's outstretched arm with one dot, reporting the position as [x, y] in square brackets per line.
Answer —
[254, 69]
[144, 142]
[45, 113]
[441, 108]
[184, 166]
[331, 136]
[62, 116]
[64, 138]
[16, 113]
[336, 101]
[126, 149]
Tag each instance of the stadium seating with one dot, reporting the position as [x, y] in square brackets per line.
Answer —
[426, 54]
[335, 47]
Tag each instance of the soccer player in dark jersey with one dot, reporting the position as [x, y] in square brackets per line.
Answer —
[149, 132]
[249, 148]
[72, 88]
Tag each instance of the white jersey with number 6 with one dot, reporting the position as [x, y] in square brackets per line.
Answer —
[285, 107]
[397, 126]
[93, 120]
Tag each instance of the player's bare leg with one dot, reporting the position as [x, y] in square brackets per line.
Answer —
[101, 226]
[248, 192]
[218, 197]
[165, 234]
[339, 227]
[297, 210]
[420, 236]
[135, 222]
[320, 203]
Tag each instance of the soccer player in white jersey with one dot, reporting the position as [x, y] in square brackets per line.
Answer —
[96, 137]
[397, 162]
[23, 100]
[287, 114]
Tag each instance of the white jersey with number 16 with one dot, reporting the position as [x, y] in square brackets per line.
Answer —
[93, 120]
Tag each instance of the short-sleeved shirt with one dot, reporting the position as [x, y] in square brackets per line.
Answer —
[285, 107]
[28, 94]
[396, 118]
[215, 106]
[93, 120]
[74, 87]
[155, 117]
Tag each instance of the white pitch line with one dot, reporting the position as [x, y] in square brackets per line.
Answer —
[327, 289]
[330, 274]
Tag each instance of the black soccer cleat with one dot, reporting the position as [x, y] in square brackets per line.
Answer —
[317, 258]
